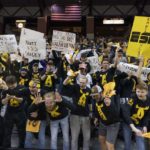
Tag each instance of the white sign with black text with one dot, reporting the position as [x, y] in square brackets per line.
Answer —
[8, 43]
[34, 49]
[129, 68]
[63, 41]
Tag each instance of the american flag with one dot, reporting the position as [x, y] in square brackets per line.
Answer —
[65, 13]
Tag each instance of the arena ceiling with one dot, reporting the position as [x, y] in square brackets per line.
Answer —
[37, 8]
[12, 3]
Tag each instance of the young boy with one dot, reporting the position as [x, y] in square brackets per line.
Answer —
[136, 115]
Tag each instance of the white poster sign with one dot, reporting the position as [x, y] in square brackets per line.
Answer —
[34, 49]
[95, 66]
[28, 34]
[8, 43]
[125, 67]
[63, 41]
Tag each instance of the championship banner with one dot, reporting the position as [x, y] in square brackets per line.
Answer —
[63, 41]
[129, 68]
[8, 44]
[34, 49]
[139, 42]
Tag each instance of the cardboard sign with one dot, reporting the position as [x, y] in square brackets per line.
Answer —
[8, 43]
[139, 42]
[63, 41]
[125, 67]
[28, 34]
[33, 126]
[34, 49]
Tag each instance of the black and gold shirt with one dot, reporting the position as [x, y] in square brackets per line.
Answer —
[59, 111]
[49, 83]
[24, 81]
[105, 77]
[81, 99]
[29, 97]
[137, 111]
[107, 114]
[14, 104]
[35, 76]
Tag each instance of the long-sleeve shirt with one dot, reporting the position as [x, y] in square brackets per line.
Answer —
[81, 99]
[59, 111]
[13, 104]
[107, 114]
[136, 111]
[125, 86]
[104, 77]
[48, 83]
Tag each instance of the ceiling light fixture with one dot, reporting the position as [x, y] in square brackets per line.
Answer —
[20, 23]
[113, 21]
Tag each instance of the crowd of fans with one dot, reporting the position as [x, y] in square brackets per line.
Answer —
[57, 93]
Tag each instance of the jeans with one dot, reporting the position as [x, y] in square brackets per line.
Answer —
[127, 133]
[54, 126]
[11, 118]
[77, 122]
[1, 130]
[41, 138]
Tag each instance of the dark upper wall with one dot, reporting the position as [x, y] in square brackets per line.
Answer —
[9, 3]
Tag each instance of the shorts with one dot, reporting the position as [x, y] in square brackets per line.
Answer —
[110, 132]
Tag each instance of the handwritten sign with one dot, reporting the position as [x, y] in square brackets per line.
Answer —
[8, 43]
[125, 67]
[34, 49]
[63, 41]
